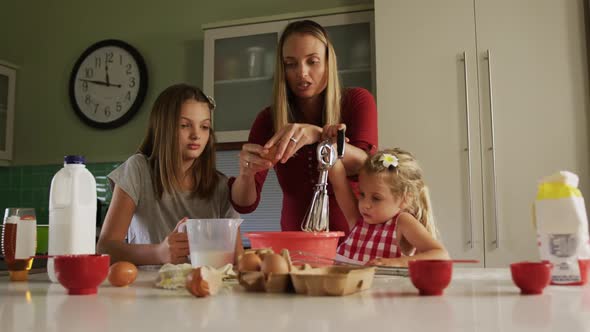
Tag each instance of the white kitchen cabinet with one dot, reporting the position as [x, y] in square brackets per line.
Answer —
[490, 95]
[7, 100]
[239, 62]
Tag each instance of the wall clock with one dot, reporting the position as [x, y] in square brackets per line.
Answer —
[108, 84]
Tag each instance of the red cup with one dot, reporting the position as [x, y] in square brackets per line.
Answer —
[584, 267]
[531, 277]
[81, 274]
[432, 276]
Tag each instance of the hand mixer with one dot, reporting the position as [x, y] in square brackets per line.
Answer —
[317, 218]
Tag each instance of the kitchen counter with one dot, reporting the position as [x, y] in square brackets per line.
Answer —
[476, 300]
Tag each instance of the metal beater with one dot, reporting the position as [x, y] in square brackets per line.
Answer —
[317, 218]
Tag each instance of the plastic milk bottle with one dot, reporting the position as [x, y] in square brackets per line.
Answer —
[72, 211]
[562, 226]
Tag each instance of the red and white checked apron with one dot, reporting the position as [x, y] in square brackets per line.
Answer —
[367, 242]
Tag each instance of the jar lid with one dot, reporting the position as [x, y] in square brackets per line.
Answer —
[22, 275]
[74, 159]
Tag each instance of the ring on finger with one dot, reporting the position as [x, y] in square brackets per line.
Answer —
[247, 164]
[293, 139]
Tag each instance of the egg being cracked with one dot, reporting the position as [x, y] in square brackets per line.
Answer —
[122, 274]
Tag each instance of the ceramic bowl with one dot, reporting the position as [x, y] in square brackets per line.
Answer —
[431, 277]
[531, 277]
[81, 274]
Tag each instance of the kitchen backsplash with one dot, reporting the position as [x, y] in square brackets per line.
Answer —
[28, 186]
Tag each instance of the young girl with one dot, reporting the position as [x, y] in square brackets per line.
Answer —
[172, 176]
[392, 219]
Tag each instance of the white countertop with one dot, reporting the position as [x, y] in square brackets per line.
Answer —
[476, 300]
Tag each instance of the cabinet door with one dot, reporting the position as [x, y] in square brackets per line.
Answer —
[428, 104]
[7, 95]
[238, 72]
[534, 106]
[352, 36]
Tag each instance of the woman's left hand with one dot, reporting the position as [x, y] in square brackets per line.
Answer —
[393, 262]
[292, 137]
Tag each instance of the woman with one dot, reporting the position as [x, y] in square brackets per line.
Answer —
[171, 177]
[307, 96]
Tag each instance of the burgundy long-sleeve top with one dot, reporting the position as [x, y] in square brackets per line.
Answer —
[298, 176]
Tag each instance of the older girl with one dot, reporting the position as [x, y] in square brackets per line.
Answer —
[172, 176]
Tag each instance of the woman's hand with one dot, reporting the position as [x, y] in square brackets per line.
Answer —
[331, 131]
[393, 262]
[252, 159]
[174, 249]
[292, 137]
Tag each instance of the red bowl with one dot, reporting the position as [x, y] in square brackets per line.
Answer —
[322, 244]
[531, 277]
[584, 265]
[81, 274]
[431, 276]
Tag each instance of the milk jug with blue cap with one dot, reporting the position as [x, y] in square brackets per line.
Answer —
[562, 226]
[72, 211]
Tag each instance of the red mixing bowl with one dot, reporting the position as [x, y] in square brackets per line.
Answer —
[81, 274]
[322, 244]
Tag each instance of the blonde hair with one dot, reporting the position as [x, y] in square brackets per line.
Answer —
[161, 148]
[282, 96]
[407, 182]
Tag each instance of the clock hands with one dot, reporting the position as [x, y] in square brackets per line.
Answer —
[100, 82]
[106, 69]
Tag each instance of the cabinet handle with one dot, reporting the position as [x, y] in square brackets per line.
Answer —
[492, 149]
[468, 150]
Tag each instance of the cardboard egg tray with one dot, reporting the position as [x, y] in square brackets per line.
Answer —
[324, 281]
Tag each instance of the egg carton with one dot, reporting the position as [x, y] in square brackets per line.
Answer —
[333, 280]
[303, 279]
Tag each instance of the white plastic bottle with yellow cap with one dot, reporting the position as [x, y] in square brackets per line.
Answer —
[562, 226]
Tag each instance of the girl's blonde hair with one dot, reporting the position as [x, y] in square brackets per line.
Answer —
[161, 147]
[407, 182]
[282, 95]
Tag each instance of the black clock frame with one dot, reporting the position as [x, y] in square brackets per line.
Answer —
[143, 84]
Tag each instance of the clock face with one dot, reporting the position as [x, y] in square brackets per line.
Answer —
[108, 84]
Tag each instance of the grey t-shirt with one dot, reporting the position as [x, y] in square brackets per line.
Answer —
[154, 219]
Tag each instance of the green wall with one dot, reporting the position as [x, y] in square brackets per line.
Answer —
[44, 38]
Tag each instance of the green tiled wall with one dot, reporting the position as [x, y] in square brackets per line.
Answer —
[28, 186]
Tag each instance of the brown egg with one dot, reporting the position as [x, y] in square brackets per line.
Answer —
[274, 263]
[122, 274]
[249, 262]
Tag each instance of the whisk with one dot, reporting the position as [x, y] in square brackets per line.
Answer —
[317, 218]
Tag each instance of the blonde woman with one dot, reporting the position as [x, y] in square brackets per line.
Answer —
[391, 219]
[307, 96]
[171, 177]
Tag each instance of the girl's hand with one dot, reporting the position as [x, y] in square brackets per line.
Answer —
[174, 249]
[292, 137]
[252, 160]
[393, 262]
